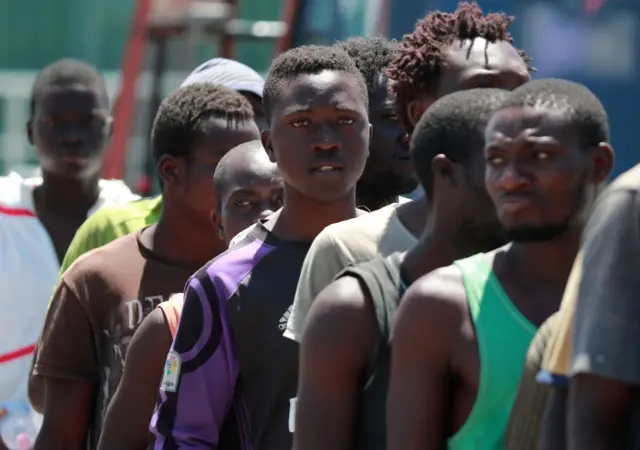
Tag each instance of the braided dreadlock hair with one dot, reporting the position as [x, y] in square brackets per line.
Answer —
[421, 56]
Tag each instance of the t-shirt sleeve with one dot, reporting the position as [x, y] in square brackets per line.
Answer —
[323, 262]
[67, 346]
[199, 382]
[523, 430]
[95, 232]
[607, 321]
[557, 356]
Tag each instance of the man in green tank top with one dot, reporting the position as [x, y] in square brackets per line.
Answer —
[462, 332]
[342, 394]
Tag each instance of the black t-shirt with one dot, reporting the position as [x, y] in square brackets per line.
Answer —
[231, 373]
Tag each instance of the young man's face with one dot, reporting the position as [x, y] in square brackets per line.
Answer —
[319, 135]
[389, 170]
[537, 173]
[70, 129]
[253, 190]
[194, 186]
[475, 64]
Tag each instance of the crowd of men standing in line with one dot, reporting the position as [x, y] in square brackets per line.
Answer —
[322, 310]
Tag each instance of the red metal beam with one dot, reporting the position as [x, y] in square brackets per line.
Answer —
[290, 12]
[124, 111]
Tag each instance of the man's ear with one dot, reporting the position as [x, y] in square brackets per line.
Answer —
[216, 220]
[416, 108]
[169, 169]
[30, 131]
[446, 172]
[265, 137]
[602, 160]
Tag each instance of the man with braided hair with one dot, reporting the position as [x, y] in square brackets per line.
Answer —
[450, 52]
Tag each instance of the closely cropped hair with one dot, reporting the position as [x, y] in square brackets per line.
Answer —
[306, 60]
[580, 107]
[453, 126]
[65, 72]
[237, 154]
[421, 57]
[182, 115]
[372, 56]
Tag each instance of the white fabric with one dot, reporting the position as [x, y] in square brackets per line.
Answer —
[29, 273]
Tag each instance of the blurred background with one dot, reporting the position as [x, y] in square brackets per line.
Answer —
[146, 47]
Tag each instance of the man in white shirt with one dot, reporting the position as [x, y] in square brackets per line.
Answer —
[70, 127]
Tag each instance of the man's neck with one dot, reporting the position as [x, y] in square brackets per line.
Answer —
[183, 237]
[302, 218]
[550, 260]
[66, 195]
[438, 246]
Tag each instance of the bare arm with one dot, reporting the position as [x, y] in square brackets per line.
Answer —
[337, 342]
[126, 424]
[67, 413]
[424, 334]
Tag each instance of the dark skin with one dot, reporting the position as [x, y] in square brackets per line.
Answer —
[470, 65]
[253, 190]
[389, 157]
[341, 331]
[538, 177]
[609, 424]
[70, 129]
[319, 138]
[188, 200]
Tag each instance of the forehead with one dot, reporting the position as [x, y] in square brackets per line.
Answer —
[250, 170]
[76, 97]
[223, 135]
[513, 122]
[471, 63]
[327, 89]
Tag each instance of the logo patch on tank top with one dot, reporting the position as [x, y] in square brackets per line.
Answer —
[171, 372]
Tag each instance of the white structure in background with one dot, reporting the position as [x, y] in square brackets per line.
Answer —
[15, 89]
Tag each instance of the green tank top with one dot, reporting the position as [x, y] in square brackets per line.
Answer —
[503, 335]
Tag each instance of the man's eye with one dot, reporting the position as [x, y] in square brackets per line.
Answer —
[495, 160]
[346, 121]
[541, 156]
[243, 203]
[299, 123]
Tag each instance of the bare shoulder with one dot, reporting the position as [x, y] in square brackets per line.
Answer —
[435, 301]
[340, 309]
[339, 303]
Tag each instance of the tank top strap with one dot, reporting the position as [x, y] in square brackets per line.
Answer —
[381, 276]
[172, 310]
[503, 335]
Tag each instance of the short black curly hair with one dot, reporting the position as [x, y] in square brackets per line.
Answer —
[578, 105]
[181, 117]
[372, 56]
[65, 72]
[306, 60]
[421, 56]
[453, 126]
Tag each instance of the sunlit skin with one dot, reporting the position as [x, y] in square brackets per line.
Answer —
[253, 190]
[319, 138]
[542, 183]
[470, 64]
